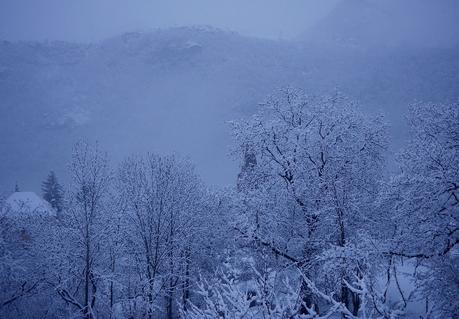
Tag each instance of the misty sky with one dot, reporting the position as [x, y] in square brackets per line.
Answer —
[92, 20]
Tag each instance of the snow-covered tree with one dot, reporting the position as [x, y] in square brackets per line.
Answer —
[24, 288]
[84, 230]
[275, 294]
[315, 166]
[313, 228]
[425, 204]
[162, 195]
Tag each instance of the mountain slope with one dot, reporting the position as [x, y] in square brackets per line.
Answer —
[174, 90]
[388, 23]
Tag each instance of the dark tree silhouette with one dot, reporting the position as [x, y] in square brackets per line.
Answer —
[53, 192]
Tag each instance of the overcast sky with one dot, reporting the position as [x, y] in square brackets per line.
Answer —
[91, 20]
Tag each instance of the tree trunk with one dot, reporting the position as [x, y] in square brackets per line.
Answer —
[87, 312]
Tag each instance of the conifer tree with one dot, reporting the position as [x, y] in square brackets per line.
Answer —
[53, 192]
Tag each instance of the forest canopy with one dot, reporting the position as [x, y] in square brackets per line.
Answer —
[316, 226]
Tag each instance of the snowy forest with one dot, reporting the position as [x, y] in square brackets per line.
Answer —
[336, 157]
[314, 228]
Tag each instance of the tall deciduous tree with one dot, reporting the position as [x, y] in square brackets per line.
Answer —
[426, 203]
[85, 228]
[315, 166]
[162, 197]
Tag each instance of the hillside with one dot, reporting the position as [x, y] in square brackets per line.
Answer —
[376, 24]
[171, 90]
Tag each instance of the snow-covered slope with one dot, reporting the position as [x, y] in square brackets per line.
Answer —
[164, 91]
[174, 90]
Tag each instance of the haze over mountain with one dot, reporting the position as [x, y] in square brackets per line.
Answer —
[174, 89]
[388, 24]
[93, 21]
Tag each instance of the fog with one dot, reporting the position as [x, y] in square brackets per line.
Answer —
[87, 20]
[208, 159]
[420, 21]
[180, 86]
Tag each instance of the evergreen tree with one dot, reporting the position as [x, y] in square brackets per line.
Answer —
[52, 191]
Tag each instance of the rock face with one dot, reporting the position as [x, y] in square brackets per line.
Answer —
[27, 204]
